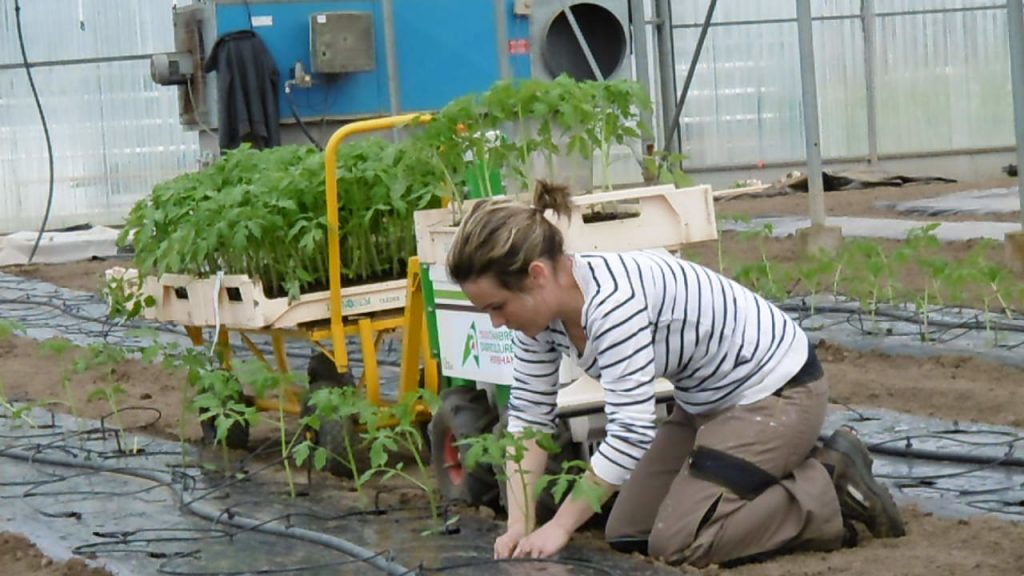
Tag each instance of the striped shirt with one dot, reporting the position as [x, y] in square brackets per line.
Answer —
[650, 315]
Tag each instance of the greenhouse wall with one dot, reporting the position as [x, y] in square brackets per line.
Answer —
[114, 133]
[942, 86]
[942, 79]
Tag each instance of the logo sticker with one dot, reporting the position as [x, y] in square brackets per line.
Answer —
[472, 347]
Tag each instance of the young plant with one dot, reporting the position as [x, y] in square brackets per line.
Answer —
[666, 168]
[812, 272]
[332, 404]
[393, 429]
[761, 276]
[917, 248]
[124, 295]
[7, 329]
[992, 275]
[10, 327]
[573, 475]
[110, 393]
[498, 450]
[872, 267]
[264, 381]
[219, 399]
[60, 347]
[15, 412]
[616, 107]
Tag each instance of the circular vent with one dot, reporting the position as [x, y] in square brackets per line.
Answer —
[601, 30]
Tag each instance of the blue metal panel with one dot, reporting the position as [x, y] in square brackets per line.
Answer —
[446, 48]
[518, 29]
[287, 38]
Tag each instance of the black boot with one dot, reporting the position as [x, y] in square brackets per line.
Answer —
[861, 498]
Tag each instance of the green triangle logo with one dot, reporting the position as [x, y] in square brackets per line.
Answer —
[471, 350]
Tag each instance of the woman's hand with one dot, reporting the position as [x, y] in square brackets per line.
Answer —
[544, 542]
[506, 544]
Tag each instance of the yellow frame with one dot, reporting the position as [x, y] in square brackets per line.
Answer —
[413, 320]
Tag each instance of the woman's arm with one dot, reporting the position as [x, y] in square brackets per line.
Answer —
[532, 405]
[521, 497]
[574, 511]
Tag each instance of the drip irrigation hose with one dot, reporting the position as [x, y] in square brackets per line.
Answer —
[908, 451]
[212, 514]
[946, 456]
[177, 331]
[909, 317]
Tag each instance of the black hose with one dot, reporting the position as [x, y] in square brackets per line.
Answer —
[295, 114]
[910, 317]
[885, 449]
[945, 456]
[215, 515]
[46, 128]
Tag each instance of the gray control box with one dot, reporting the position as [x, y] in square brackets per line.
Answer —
[342, 42]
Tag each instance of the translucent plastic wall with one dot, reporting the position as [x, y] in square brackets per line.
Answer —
[942, 79]
[114, 132]
[942, 85]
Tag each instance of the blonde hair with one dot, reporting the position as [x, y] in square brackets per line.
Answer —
[501, 237]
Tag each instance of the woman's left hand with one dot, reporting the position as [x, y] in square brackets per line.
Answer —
[543, 542]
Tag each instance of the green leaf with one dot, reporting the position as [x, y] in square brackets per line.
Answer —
[9, 327]
[97, 395]
[300, 453]
[56, 346]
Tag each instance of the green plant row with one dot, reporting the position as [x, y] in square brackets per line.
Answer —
[212, 393]
[263, 212]
[865, 271]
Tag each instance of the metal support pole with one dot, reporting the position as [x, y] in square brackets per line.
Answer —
[501, 22]
[666, 69]
[1015, 20]
[391, 58]
[816, 190]
[643, 75]
[582, 41]
[674, 126]
[869, 22]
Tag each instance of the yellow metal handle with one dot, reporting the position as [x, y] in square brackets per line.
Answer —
[333, 234]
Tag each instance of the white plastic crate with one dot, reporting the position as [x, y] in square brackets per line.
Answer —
[238, 301]
[667, 217]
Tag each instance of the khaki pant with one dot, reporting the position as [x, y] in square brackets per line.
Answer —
[687, 520]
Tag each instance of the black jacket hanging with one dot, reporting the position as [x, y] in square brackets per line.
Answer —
[247, 108]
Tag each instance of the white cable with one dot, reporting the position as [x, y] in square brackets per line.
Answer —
[216, 310]
[195, 109]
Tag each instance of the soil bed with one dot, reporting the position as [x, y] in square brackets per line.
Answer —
[961, 388]
[866, 203]
[20, 557]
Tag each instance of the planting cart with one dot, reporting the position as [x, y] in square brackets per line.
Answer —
[237, 304]
[477, 355]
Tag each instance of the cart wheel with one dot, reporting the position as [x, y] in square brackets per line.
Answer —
[236, 439]
[464, 413]
[334, 433]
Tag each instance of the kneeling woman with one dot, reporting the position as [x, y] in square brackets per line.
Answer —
[734, 471]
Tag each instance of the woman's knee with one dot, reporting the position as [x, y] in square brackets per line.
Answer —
[679, 540]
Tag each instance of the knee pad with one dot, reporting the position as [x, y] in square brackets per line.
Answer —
[743, 478]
